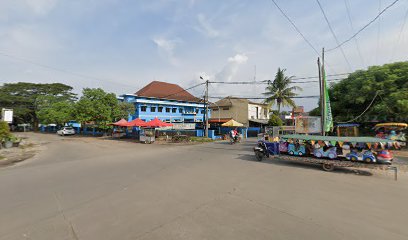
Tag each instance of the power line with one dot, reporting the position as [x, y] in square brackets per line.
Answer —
[266, 82]
[378, 33]
[372, 101]
[61, 70]
[184, 90]
[347, 4]
[364, 27]
[334, 35]
[399, 35]
[263, 98]
[295, 27]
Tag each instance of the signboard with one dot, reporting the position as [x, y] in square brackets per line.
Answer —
[180, 126]
[308, 125]
[7, 115]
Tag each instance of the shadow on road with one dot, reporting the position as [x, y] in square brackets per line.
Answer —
[249, 157]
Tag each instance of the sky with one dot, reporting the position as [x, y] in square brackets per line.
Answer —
[122, 45]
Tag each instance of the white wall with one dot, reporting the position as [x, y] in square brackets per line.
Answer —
[252, 109]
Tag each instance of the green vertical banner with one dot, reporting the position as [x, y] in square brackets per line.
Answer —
[328, 117]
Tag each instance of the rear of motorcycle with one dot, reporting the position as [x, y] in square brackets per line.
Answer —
[261, 151]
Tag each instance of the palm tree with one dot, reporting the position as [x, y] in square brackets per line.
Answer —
[280, 91]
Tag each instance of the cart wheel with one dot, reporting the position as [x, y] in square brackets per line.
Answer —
[367, 160]
[291, 153]
[300, 153]
[331, 156]
[328, 167]
[353, 159]
[259, 156]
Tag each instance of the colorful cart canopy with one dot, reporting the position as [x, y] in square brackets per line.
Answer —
[337, 139]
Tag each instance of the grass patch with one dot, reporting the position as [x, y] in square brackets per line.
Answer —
[2, 157]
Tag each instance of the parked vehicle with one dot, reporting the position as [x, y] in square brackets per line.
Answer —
[66, 131]
[329, 153]
[392, 131]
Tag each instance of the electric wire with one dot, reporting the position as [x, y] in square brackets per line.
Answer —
[378, 33]
[363, 28]
[347, 5]
[296, 28]
[368, 107]
[61, 70]
[399, 35]
[333, 34]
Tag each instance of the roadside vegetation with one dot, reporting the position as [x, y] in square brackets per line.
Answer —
[385, 88]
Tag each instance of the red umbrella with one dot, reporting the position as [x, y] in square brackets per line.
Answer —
[121, 123]
[157, 123]
[136, 123]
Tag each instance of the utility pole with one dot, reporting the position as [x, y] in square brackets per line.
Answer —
[206, 108]
[321, 96]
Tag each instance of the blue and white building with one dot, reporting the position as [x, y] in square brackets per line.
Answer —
[166, 101]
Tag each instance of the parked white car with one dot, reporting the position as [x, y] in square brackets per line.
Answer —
[66, 131]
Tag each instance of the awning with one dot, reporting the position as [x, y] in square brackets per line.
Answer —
[157, 123]
[338, 139]
[232, 123]
[136, 123]
[122, 123]
[261, 121]
[398, 125]
[218, 120]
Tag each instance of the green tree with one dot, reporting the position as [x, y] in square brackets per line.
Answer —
[54, 110]
[99, 107]
[275, 120]
[280, 92]
[125, 109]
[353, 95]
[24, 97]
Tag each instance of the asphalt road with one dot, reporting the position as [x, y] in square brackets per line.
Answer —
[85, 188]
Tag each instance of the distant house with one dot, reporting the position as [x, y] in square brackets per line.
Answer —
[251, 114]
[166, 101]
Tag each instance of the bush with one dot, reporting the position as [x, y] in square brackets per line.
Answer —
[274, 120]
[4, 130]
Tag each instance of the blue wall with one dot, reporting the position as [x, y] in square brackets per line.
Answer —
[171, 111]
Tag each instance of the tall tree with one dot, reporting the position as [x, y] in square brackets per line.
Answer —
[24, 98]
[55, 110]
[100, 107]
[280, 91]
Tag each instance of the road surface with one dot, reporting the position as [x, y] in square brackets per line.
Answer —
[87, 188]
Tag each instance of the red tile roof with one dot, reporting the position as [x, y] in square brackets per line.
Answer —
[157, 89]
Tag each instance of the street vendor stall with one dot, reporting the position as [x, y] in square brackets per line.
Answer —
[119, 132]
[147, 133]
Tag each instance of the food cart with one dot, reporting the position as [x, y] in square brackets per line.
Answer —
[147, 135]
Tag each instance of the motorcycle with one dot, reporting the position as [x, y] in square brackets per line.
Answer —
[261, 151]
[235, 139]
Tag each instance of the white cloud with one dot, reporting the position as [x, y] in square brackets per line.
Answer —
[41, 7]
[205, 27]
[166, 48]
[231, 68]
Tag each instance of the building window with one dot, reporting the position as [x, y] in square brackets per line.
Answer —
[215, 109]
[167, 120]
[225, 108]
[174, 110]
[180, 110]
[152, 109]
[202, 111]
[160, 109]
[143, 108]
[168, 110]
[266, 112]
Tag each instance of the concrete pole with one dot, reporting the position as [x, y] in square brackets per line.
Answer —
[206, 108]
